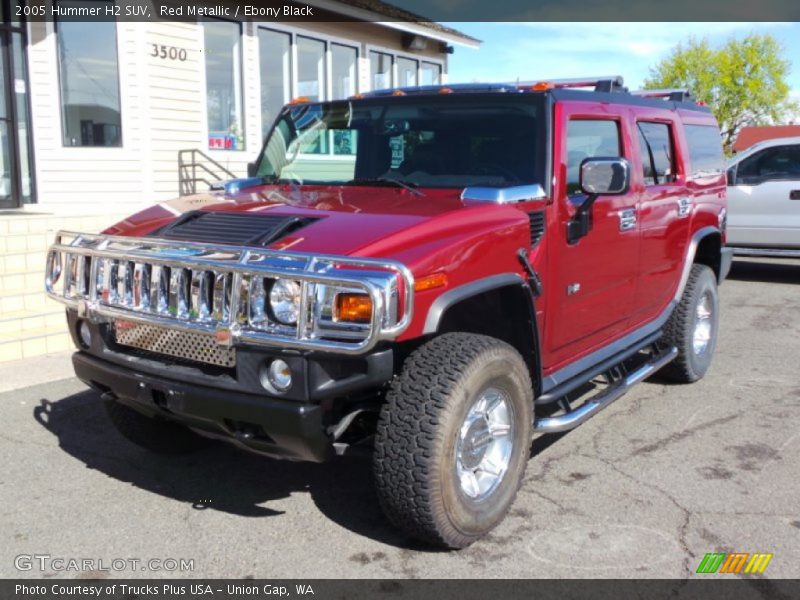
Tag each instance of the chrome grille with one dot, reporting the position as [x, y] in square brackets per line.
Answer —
[196, 347]
[222, 291]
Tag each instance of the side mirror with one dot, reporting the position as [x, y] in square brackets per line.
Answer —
[605, 176]
[599, 176]
[732, 176]
[252, 169]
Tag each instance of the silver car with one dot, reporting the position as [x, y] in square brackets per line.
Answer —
[764, 199]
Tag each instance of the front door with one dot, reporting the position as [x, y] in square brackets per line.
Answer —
[764, 203]
[594, 279]
[16, 165]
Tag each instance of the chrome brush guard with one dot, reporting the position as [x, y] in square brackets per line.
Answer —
[220, 290]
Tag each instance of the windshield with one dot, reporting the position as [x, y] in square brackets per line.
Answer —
[442, 141]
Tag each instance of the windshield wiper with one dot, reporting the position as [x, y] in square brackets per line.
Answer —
[407, 185]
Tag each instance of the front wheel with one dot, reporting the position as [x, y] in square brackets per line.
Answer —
[453, 439]
[692, 328]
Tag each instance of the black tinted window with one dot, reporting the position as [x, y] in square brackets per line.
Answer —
[585, 139]
[705, 150]
[782, 162]
[655, 145]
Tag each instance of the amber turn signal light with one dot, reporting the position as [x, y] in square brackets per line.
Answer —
[353, 308]
[430, 281]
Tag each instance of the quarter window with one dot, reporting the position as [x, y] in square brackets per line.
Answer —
[586, 139]
[89, 78]
[655, 147]
[223, 48]
[705, 150]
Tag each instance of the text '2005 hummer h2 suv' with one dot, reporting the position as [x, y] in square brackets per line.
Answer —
[438, 272]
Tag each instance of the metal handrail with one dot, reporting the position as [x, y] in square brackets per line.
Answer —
[188, 185]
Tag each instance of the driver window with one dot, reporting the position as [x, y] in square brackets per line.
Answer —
[587, 138]
[782, 162]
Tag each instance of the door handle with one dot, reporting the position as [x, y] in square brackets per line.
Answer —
[627, 219]
[794, 195]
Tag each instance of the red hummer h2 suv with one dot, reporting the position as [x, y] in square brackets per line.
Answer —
[435, 273]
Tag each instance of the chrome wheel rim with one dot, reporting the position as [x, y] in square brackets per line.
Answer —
[702, 324]
[484, 445]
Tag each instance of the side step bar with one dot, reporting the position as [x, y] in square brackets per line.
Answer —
[598, 402]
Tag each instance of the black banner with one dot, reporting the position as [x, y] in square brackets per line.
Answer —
[326, 589]
[410, 10]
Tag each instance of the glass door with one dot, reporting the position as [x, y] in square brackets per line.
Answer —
[16, 164]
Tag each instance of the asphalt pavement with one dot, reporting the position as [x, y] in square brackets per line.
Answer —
[665, 475]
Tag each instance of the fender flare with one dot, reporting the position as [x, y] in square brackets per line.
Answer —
[462, 292]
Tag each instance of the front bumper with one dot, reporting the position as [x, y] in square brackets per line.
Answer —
[281, 428]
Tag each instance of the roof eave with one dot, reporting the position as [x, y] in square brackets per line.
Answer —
[363, 14]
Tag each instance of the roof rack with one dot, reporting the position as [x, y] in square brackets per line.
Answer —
[673, 95]
[608, 83]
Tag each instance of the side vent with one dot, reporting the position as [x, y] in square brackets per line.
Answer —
[537, 226]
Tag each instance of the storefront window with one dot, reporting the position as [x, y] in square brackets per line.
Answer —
[223, 41]
[310, 69]
[276, 74]
[381, 70]
[406, 72]
[343, 61]
[89, 77]
[431, 74]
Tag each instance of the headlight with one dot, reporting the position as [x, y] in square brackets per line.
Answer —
[284, 301]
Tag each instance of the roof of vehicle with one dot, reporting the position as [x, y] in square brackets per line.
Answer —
[771, 143]
[600, 89]
[749, 136]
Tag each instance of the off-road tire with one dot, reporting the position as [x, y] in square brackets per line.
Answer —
[689, 366]
[415, 445]
[156, 435]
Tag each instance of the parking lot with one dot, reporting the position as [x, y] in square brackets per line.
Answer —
[663, 476]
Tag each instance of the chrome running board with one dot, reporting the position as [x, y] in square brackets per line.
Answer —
[766, 252]
[598, 402]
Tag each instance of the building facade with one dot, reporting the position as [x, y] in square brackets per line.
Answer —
[98, 119]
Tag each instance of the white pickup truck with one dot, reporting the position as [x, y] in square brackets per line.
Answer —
[764, 199]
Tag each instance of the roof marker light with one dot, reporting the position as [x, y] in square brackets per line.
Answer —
[542, 86]
[445, 90]
[300, 100]
[398, 93]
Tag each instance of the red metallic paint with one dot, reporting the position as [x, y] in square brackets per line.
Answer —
[626, 279]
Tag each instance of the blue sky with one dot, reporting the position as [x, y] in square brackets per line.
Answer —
[532, 51]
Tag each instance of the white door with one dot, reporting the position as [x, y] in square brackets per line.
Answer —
[764, 202]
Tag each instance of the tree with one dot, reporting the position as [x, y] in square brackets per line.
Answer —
[743, 81]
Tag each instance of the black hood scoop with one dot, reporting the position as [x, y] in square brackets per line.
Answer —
[238, 229]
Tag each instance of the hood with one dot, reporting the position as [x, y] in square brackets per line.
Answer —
[342, 220]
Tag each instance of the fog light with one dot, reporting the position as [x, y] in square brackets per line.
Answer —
[277, 377]
[85, 334]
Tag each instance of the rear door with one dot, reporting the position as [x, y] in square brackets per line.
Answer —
[594, 280]
[764, 200]
[664, 211]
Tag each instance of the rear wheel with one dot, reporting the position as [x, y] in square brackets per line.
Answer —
[156, 435]
[453, 439]
[692, 328]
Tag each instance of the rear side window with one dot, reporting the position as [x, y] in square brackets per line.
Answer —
[705, 150]
[771, 164]
[585, 139]
[655, 145]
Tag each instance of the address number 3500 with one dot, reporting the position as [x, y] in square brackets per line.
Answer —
[170, 52]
